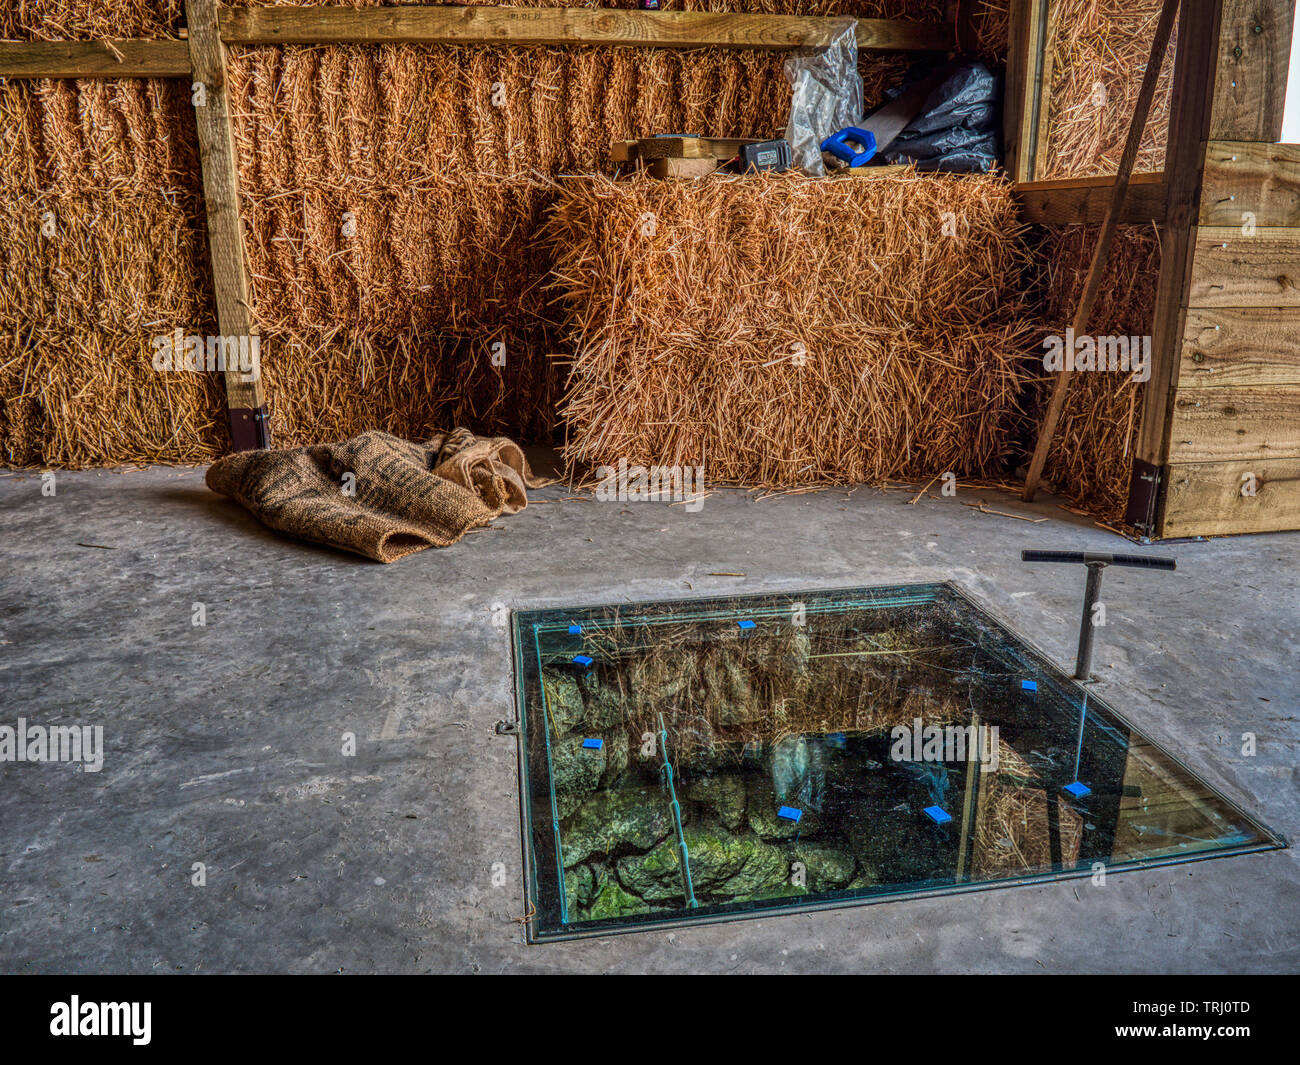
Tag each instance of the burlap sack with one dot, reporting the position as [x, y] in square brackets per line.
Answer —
[401, 498]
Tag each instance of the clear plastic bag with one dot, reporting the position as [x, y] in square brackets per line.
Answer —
[826, 95]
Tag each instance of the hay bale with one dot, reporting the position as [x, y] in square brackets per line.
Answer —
[689, 303]
[103, 249]
[1098, 61]
[1091, 457]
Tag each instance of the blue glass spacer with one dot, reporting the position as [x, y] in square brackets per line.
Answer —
[583, 660]
[790, 813]
[593, 745]
[1029, 685]
[746, 624]
[1077, 789]
[938, 815]
[575, 630]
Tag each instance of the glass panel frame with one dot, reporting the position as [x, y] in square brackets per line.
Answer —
[543, 640]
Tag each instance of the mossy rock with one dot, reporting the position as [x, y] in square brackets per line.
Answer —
[724, 796]
[563, 702]
[616, 758]
[575, 768]
[761, 814]
[722, 865]
[612, 900]
[631, 817]
[603, 703]
[825, 868]
[579, 885]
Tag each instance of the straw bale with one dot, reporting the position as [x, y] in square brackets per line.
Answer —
[1092, 453]
[687, 335]
[112, 167]
[77, 398]
[1104, 45]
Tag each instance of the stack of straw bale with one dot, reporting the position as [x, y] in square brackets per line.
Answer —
[785, 331]
[1092, 452]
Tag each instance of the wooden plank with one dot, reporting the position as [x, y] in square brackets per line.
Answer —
[1253, 55]
[682, 168]
[1194, 65]
[1247, 182]
[1026, 18]
[690, 147]
[1251, 346]
[542, 26]
[1075, 200]
[1205, 498]
[221, 195]
[1223, 424]
[94, 59]
[1232, 270]
[1043, 87]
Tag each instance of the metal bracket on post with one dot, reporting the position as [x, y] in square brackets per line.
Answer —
[1096, 562]
[1143, 496]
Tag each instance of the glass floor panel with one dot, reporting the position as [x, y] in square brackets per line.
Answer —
[711, 759]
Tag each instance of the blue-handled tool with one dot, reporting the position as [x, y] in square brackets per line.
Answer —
[851, 145]
[856, 145]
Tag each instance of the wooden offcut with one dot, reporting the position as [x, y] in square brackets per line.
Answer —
[682, 168]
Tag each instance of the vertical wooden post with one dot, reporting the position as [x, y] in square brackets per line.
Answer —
[1195, 61]
[247, 404]
[1024, 90]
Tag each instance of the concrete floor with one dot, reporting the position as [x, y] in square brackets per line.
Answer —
[223, 743]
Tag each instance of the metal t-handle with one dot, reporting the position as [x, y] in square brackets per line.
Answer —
[1096, 562]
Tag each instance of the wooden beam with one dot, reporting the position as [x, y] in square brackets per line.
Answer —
[1189, 118]
[1240, 346]
[1085, 200]
[248, 425]
[1250, 183]
[1043, 87]
[94, 59]
[1250, 85]
[560, 26]
[1207, 498]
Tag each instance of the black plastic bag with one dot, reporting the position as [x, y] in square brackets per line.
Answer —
[957, 129]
